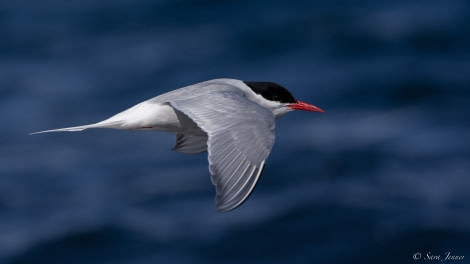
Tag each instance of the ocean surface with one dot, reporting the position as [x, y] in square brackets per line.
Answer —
[382, 177]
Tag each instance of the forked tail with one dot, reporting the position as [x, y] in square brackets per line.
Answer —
[80, 128]
[69, 129]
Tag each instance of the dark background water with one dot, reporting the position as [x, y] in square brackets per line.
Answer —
[382, 175]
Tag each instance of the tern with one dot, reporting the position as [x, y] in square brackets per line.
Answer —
[232, 120]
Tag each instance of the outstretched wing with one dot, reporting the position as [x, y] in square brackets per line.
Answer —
[240, 137]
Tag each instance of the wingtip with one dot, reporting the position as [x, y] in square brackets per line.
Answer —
[222, 206]
[222, 210]
[225, 202]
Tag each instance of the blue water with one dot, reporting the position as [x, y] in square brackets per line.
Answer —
[382, 176]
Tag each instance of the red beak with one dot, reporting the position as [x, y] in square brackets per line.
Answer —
[305, 107]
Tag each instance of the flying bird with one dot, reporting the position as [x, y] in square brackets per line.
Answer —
[232, 120]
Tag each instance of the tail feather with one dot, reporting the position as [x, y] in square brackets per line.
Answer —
[68, 129]
[80, 128]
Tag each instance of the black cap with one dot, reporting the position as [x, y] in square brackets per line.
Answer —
[272, 91]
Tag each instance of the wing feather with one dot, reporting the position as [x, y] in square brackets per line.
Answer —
[240, 137]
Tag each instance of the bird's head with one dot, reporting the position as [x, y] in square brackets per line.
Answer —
[278, 99]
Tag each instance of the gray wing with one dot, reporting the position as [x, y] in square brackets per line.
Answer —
[241, 135]
[190, 143]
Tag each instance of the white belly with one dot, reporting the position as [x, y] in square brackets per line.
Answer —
[153, 116]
